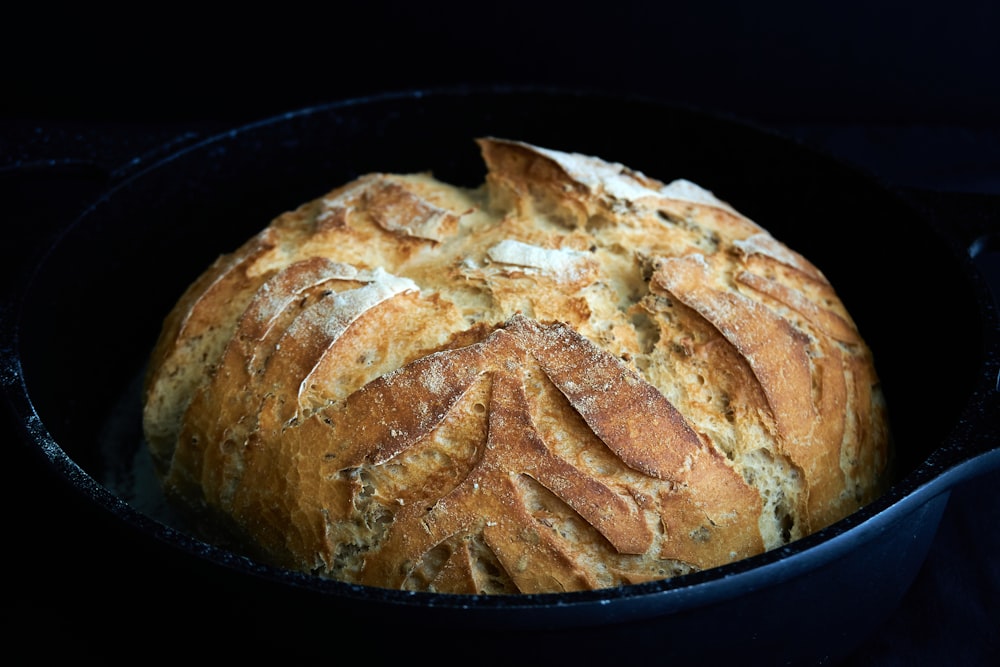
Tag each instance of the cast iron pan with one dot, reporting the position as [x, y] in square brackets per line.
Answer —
[80, 326]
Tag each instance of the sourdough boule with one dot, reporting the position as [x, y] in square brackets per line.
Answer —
[571, 377]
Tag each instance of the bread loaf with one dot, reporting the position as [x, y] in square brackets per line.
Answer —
[571, 377]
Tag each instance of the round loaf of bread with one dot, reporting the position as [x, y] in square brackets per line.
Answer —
[571, 377]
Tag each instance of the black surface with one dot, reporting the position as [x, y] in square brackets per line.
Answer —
[852, 60]
[90, 577]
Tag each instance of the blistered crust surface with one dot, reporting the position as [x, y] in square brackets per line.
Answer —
[572, 377]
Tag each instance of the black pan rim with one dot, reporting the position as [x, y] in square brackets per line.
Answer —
[948, 464]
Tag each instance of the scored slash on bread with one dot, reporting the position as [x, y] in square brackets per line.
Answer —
[572, 377]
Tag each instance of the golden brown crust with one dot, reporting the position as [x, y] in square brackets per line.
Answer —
[573, 377]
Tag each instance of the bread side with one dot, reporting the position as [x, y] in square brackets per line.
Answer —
[572, 377]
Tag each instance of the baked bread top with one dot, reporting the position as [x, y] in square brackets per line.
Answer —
[572, 377]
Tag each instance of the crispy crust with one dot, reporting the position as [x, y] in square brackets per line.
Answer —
[573, 377]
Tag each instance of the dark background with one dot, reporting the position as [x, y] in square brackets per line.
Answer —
[908, 89]
[843, 61]
[909, 92]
